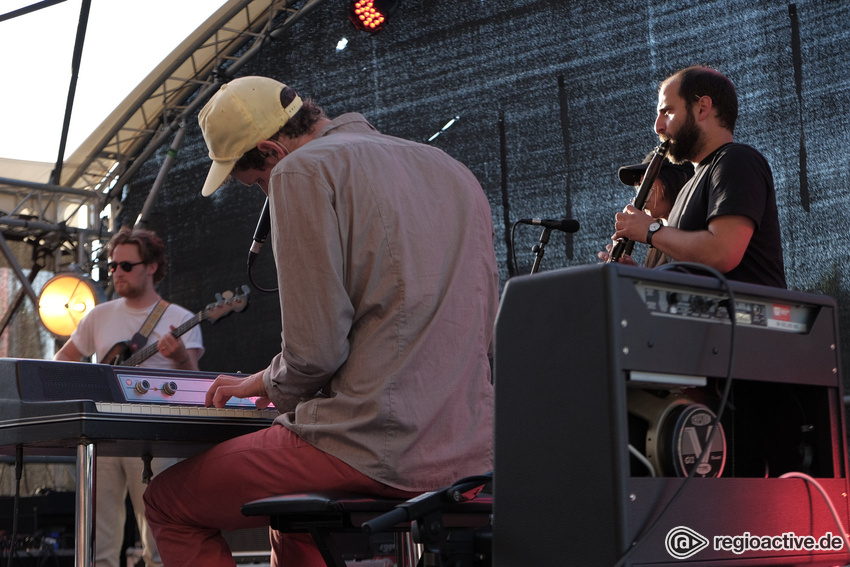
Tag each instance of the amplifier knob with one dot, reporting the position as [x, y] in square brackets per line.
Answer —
[142, 386]
[169, 388]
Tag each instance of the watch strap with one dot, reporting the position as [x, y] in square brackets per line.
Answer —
[651, 232]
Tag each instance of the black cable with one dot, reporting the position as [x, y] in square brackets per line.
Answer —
[512, 251]
[251, 258]
[506, 202]
[716, 421]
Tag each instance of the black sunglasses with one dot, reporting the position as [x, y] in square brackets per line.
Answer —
[125, 266]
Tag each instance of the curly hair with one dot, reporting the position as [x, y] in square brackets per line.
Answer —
[151, 248]
[302, 123]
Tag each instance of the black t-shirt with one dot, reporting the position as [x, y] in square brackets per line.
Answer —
[735, 179]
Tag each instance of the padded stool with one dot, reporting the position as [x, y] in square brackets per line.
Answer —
[441, 530]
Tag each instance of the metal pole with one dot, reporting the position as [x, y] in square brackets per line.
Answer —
[163, 170]
[19, 297]
[13, 263]
[85, 508]
[72, 89]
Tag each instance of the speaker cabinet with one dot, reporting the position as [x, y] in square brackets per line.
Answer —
[607, 378]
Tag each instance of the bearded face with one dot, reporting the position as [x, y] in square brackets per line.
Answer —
[687, 142]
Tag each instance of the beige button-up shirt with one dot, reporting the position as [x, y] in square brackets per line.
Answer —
[389, 290]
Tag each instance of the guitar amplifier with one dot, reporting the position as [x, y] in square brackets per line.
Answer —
[609, 380]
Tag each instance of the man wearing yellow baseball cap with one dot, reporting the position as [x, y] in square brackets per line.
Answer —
[388, 291]
[241, 116]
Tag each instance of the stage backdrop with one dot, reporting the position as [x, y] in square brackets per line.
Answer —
[549, 98]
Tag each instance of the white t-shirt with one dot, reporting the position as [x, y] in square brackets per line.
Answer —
[113, 322]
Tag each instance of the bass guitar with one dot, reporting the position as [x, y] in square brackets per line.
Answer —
[227, 302]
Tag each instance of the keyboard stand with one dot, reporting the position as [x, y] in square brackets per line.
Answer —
[84, 540]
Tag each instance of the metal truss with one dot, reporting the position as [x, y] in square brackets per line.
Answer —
[66, 220]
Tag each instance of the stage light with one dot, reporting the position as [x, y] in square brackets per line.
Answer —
[64, 300]
[371, 15]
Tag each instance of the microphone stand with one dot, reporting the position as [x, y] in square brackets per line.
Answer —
[538, 249]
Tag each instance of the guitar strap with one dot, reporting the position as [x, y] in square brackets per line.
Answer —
[141, 337]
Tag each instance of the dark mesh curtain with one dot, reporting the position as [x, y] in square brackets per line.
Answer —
[551, 98]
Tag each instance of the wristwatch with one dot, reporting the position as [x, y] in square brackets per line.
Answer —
[653, 228]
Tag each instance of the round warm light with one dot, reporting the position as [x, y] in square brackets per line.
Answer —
[64, 300]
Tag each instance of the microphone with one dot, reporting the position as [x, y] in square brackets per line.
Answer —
[566, 225]
[260, 233]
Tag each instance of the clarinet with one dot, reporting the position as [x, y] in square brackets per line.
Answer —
[625, 246]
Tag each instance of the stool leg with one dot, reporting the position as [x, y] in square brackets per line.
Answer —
[328, 548]
[407, 552]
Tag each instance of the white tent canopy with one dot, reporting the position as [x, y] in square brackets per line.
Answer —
[146, 119]
[68, 214]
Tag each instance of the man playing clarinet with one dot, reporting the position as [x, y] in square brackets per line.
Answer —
[725, 217]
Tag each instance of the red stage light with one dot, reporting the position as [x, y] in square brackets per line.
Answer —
[371, 15]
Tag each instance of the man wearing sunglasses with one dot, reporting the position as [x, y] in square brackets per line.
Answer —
[137, 264]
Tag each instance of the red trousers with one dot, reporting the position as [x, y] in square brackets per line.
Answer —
[188, 504]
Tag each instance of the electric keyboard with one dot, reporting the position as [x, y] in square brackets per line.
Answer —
[55, 408]
[127, 411]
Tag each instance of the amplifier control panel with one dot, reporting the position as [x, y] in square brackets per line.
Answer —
[708, 306]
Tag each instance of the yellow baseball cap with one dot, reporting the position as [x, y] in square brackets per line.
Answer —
[243, 113]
